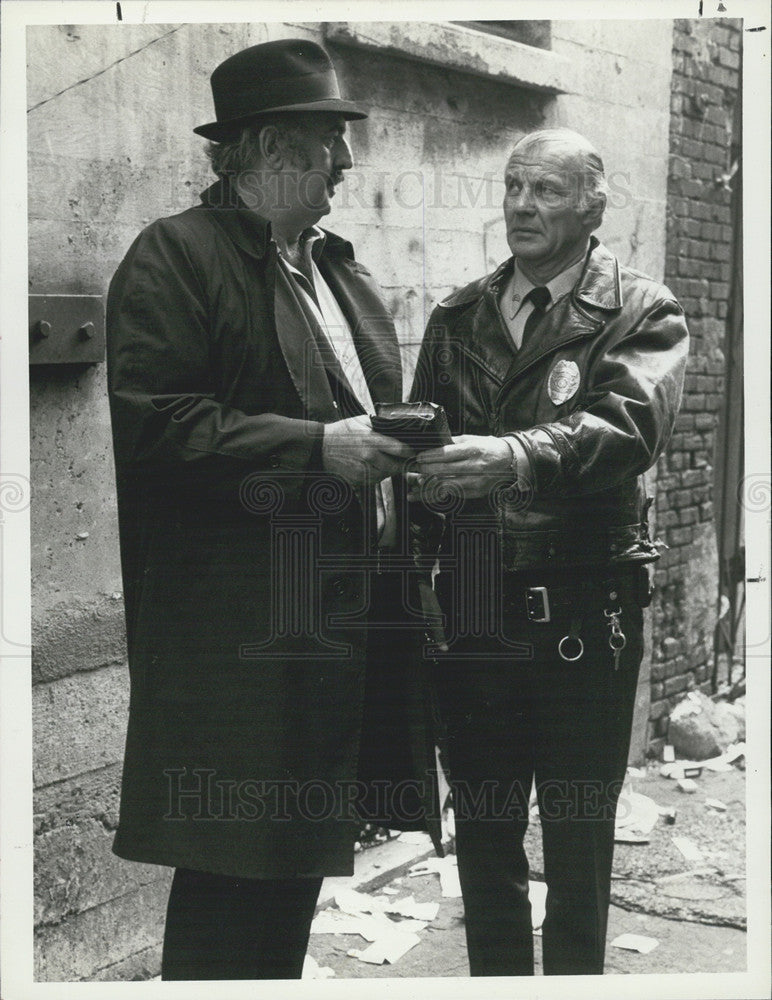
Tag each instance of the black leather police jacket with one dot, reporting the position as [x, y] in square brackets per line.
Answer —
[592, 397]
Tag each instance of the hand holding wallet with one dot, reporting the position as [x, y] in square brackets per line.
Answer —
[419, 425]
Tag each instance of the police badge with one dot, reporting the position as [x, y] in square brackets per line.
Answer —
[563, 381]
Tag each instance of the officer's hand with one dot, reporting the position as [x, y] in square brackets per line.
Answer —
[473, 465]
[352, 450]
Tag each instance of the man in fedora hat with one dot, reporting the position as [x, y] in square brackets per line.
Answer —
[271, 706]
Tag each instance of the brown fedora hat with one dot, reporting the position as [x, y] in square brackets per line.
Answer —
[291, 74]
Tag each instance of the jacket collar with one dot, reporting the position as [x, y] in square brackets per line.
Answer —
[599, 284]
[252, 232]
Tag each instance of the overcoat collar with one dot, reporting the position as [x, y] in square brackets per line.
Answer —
[371, 326]
[250, 231]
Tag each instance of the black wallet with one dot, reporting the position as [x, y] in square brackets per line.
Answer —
[419, 425]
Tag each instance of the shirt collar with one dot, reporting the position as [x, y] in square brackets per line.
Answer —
[558, 286]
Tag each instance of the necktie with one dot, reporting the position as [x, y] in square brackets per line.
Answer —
[540, 297]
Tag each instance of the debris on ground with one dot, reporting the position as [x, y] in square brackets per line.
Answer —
[689, 849]
[716, 804]
[388, 949]
[700, 728]
[353, 902]
[537, 896]
[312, 969]
[370, 926]
[446, 868]
[371, 918]
[415, 837]
[688, 785]
[636, 817]
[733, 755]
[635, 942]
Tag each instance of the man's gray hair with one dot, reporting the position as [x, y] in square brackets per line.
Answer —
[590, 178]
[242, 152]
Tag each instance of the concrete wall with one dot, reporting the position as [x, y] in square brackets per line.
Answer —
[110, 149]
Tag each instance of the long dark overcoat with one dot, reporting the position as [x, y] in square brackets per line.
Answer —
[245, 567]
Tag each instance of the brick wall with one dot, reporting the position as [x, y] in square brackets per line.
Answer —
[705, 87]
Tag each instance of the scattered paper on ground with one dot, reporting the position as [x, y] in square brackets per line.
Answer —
[537, 894]
[369, 926]
[635, 942]
[416, 837]
[312, 969]
[446, 868]
[358, 913]
[725, 760]
[682, 768]
[716, 804]
[636, 817]
[688, 848]
[351, 901]
[386, 949]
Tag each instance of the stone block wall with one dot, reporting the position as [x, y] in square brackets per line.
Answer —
[706, 81]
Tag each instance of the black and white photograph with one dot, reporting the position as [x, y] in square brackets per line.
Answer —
[385, 499]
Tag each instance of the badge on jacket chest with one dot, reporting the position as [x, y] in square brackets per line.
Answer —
[563, 381]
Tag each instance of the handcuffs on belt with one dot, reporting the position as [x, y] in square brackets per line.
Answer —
[617, 640]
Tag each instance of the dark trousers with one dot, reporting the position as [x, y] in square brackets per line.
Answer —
[218, 927]
[530, 715]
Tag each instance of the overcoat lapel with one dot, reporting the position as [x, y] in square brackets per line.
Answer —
[371, 327]
[343, 393]
[300, 347]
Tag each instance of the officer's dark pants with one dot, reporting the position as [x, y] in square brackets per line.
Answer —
[527, 715]
[218, 927]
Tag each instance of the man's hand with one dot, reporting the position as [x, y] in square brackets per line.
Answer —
[352, 450]
[473, 464]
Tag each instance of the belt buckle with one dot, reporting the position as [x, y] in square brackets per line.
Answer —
[537, 604]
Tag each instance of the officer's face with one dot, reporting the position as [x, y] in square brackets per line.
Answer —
[546, 224]
[317, 154]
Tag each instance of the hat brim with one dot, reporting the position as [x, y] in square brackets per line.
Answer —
[222, 131]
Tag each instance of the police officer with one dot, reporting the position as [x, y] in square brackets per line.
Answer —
[561, 374]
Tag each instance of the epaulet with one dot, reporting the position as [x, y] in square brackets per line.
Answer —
[469, 293]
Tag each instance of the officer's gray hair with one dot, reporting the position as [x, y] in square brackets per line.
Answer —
[590, 178]
[241, 153]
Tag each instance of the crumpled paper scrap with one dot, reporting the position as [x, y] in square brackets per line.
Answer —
[635, 942]
[312, 969]
[446, 868]
[369, 926]
[387, 949]
[689, 849]
[636, 817]
[351, 901]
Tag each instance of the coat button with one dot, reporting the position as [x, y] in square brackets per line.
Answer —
[274, 461]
